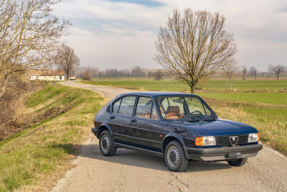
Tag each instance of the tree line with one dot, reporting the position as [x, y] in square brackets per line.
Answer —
[87, 73]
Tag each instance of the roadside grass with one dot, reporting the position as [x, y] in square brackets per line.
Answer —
[170, 84]
[29, 160]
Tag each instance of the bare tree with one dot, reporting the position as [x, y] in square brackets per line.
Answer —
[278, 69]
[136, 71]
[67, 60]
[270, 69]
[194, 46]
[230, 70]
[86, 73]
[244, 71]
[28, 34]
[253, 71]
[158, 75]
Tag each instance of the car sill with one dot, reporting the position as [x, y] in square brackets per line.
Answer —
[139, 149]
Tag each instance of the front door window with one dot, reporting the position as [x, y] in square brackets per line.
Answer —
[144, 107]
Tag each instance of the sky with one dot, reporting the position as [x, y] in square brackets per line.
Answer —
[122, 33]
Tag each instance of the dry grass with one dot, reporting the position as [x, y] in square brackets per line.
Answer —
[39, 156]
[13, 115]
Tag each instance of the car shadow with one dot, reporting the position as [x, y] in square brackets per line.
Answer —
[142, 159]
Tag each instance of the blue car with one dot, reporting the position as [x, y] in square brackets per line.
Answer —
[177, 126]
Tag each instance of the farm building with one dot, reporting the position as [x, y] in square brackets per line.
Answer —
[47, 75]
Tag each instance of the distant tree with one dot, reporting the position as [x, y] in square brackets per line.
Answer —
[158, 75]
[278, 69]
[244, 71]
[253, 71]
[67, 60]
[270, 69]
[136, 71]
[194, 45]
[230, 70]
[86, 73]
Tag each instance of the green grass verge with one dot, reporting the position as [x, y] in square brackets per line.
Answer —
[30, 156]
[170, 84]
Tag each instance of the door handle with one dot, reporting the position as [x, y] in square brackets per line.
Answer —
[133, 120]
[112, 117]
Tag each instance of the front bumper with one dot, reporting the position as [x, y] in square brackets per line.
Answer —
[222, 153]
[95, 131]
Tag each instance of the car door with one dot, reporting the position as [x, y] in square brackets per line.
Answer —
[120, 119]
[145, 125]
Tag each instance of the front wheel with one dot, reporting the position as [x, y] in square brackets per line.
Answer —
[174, 157]
[106, 143]
[237, 162]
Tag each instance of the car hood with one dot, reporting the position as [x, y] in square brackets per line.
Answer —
[218, 127]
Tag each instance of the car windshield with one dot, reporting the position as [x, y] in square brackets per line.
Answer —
[182, 107]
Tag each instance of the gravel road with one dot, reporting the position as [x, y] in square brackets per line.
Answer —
[134, 171]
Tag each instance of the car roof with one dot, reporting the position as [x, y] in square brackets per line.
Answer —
[157, 93]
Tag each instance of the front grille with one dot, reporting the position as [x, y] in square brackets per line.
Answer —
[224, 140]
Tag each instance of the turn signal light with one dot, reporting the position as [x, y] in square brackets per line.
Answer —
[199, 141]
[258, 138]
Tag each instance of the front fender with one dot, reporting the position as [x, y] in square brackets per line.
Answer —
[172, 135]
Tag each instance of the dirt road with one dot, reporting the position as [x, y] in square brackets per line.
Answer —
[134, 171]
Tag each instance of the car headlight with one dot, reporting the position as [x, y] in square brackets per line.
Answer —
[205, 141]
[253, 137]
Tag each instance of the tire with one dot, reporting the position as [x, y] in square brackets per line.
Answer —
[174, 157]
[106, 144]
[237, 162]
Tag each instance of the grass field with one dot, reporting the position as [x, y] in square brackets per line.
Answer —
[170, 84]
[257, 102]
[29, 159]
[256, 97]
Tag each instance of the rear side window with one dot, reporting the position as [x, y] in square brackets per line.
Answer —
[116, 106]
[127, 105]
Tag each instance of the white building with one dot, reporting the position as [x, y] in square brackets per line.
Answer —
[47, 75]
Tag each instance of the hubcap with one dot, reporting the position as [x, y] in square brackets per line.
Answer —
[173, 156]
[105, 143]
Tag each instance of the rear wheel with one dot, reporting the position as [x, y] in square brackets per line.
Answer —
[174, 157]
[106, 144]
[237, 162]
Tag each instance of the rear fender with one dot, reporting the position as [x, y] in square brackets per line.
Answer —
[106, 127]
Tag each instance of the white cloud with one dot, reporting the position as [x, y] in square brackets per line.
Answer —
[109, 34]
[80, 32]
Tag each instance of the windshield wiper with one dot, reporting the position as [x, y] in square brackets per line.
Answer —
[192, 117]
[213, 116]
